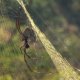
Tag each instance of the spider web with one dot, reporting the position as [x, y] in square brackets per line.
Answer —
[12, 39]
[10, 42]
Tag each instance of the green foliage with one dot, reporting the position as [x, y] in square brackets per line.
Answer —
[11, 57]
[6, 77]
[55, 18]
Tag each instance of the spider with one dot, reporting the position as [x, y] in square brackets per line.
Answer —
[28, 37]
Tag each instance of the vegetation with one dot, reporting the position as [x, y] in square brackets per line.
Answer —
[61, 26]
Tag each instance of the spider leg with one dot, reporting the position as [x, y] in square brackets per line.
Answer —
[27, 62]
[26, 53]
[23, 48]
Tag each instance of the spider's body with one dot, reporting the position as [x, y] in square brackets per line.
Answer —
[28, 37]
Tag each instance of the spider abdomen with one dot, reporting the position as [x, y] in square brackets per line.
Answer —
[29, 35]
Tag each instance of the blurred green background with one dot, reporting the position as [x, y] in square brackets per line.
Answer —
[58, 19]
